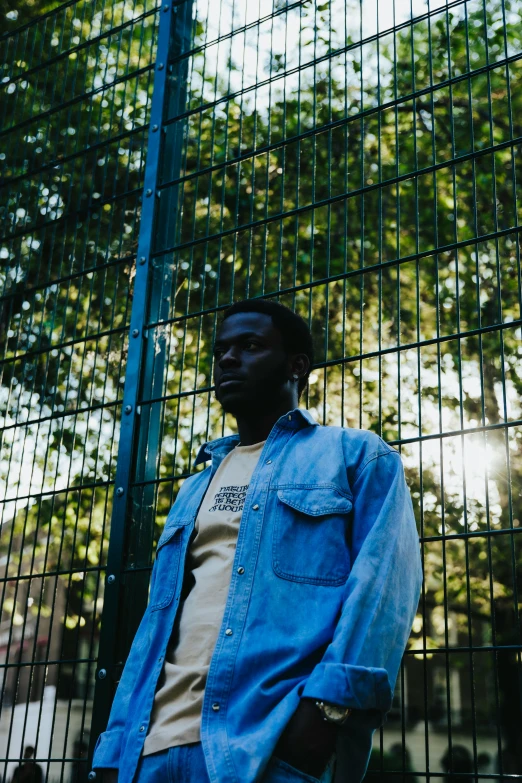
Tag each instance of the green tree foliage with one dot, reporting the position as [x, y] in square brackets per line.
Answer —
[76, 89]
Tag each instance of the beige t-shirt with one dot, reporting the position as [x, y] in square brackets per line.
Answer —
[176, 714]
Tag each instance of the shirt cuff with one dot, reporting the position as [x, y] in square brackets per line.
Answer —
[107, 750]
[358, 687]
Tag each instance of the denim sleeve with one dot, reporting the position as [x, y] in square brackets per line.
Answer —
[360, 666]
[108, 746]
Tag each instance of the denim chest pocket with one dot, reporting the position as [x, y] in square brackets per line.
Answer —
[166, 567]
[310, 534]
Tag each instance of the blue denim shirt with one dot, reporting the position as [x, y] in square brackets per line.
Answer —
[324, 589]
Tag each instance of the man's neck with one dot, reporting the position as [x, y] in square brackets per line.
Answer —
[254, 430]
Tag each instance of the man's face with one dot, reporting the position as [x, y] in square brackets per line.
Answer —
[250, 364]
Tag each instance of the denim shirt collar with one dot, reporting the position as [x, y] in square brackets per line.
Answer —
[220, 447]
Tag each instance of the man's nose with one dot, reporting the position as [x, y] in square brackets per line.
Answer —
[229, 358]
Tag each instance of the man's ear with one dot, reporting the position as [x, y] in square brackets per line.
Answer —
[299, 364]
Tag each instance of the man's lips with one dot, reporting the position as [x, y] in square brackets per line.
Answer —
[228, 382]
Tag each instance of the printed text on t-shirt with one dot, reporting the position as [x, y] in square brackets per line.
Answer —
[230, 499]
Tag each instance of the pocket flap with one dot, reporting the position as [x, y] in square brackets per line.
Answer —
[168, 533]
[316, 501]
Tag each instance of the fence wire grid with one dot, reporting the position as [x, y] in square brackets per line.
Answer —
[357, 160]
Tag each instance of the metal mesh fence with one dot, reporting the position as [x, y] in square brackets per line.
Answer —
[76, 90]
[357, 160]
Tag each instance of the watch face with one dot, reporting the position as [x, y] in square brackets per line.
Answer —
[336, 714]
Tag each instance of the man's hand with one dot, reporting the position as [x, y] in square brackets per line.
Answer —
[308, 741]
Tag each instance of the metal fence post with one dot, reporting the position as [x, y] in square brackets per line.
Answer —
[172, 15]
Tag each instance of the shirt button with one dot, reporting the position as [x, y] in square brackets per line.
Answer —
[229, 632]
[256, 507]
[215, 707]
[241, 570]
[289, 418]
[142, 728]
[269, 462]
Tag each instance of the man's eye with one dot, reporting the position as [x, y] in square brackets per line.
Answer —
[251, 346]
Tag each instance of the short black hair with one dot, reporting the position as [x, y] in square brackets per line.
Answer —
[294, 330]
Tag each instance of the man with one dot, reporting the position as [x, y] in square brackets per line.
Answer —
[284, 589]
[29, 771]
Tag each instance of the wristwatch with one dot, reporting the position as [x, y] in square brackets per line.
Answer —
[333, 713]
